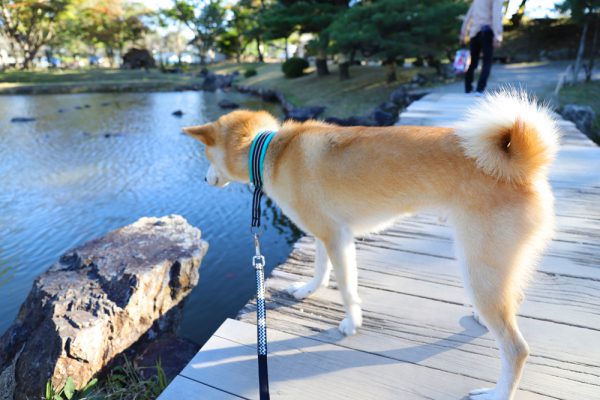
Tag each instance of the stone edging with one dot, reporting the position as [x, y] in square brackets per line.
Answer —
[385, 114]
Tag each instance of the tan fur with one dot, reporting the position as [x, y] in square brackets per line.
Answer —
[337, 182]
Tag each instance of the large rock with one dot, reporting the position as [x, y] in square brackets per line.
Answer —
[96, 302]
[399, 96]
[214, 81]
[227, 104]
[383, 118]
[302, 114]
[352, 121]
[582, 116]
[138, 59]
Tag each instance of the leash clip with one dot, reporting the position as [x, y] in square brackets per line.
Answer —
[258, 261]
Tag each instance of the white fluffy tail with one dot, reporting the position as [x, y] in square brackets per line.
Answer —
[510, 136]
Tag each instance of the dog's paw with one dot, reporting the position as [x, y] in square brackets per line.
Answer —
[300, 290]
[478, 319]
[348, 327]
[484, 394]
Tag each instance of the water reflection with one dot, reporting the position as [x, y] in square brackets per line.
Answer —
[78, 172]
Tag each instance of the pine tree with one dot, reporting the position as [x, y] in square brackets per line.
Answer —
[393, 29]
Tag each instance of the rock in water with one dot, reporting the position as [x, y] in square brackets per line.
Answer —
[22, 119]
[228, 104]
[97, 301]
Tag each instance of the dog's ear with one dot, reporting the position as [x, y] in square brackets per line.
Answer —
[204, 133]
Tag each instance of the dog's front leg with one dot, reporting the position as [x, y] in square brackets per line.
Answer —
[301, 290]
[342, 254]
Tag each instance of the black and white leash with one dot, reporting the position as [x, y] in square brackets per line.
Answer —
[258, 150]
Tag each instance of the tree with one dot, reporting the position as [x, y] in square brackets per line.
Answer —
[111, 24]
[206, 19]
[583, 13]
[278, 23]
[241, 29]
[307, 16]
[30, 24]
[517, 17]
[392, 29]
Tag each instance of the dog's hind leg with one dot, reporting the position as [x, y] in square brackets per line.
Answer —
[491, 270]
[342, 253]
[301, 290]
[501, 321]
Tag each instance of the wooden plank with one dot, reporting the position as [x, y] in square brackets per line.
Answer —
[444, 109]
[440, 335]
[392, 268]
[305, 368]
[182, 388]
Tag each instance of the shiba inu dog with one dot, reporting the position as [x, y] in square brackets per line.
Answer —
[488, 174]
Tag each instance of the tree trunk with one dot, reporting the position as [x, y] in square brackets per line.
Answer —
[344, 70]
[110, 53]
[261, 58]
[590, 69]
[28, 57]
[26, 64]
[286, 49]
[391, 71]
[352, 56]
[321, 63]
[518, 16]
[580, 52]
[49, 53]
[201, 55]
[343, 67]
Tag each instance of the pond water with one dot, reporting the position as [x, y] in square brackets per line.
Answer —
[91, 163]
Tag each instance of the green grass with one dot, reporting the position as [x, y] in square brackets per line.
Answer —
[584, 94]
[123, 382]
[356, 96]
[90, 80]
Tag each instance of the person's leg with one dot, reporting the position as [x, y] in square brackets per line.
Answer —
[475, 49]
[487, 47]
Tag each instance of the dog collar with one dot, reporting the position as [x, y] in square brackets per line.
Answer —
[256, 158]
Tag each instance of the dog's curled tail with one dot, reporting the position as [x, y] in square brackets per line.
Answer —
[510, 136]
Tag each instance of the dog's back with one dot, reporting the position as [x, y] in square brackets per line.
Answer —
[489, 173]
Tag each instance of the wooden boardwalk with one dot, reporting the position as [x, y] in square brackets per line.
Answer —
[419, 340]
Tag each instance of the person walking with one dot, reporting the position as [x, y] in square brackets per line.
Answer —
[483, 25]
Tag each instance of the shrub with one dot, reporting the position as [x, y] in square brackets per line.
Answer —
[294, 67]
[249, 72]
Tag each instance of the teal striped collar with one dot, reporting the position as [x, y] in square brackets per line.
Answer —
[256, 158]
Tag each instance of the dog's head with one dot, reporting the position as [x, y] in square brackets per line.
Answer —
[227, 142]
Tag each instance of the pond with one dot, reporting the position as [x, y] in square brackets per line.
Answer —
[91, 163]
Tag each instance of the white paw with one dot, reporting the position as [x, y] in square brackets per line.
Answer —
[300, 290]
[348, 327]
[478, 319]
[484, 394]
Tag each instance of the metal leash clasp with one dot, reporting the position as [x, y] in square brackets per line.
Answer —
[258, 261]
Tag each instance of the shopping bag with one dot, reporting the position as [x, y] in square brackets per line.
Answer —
[461, 61]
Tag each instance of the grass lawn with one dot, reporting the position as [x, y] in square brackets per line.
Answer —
[356, 96]
[90, 80]
[584, 94]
